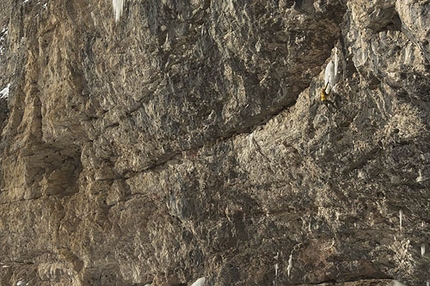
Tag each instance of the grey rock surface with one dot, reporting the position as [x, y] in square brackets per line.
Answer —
[188, 140]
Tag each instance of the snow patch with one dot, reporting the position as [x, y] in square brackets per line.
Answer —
[199, 282]
[21, 283]
[420, 177]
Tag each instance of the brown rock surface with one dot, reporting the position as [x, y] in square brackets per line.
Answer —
[187, 140]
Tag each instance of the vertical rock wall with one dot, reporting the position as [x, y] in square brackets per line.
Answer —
[187, 140]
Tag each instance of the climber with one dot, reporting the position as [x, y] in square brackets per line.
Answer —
[330, 79]
[324, 95]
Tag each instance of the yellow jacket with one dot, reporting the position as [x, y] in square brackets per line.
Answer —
[323, 94]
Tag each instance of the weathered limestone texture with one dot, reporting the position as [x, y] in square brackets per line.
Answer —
[185, 139]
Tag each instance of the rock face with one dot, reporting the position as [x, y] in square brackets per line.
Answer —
[187, 140]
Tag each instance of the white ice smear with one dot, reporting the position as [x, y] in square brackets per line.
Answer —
[4, 93]
[3, 35]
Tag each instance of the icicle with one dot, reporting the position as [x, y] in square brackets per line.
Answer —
[290, 265]
[400, 219]
[118, 7]
[336, 66]
[251, 140]
[276, 257]
[331, 76]
[329, 70]
[423, 249]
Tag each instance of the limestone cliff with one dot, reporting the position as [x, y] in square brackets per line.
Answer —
[187, 139]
